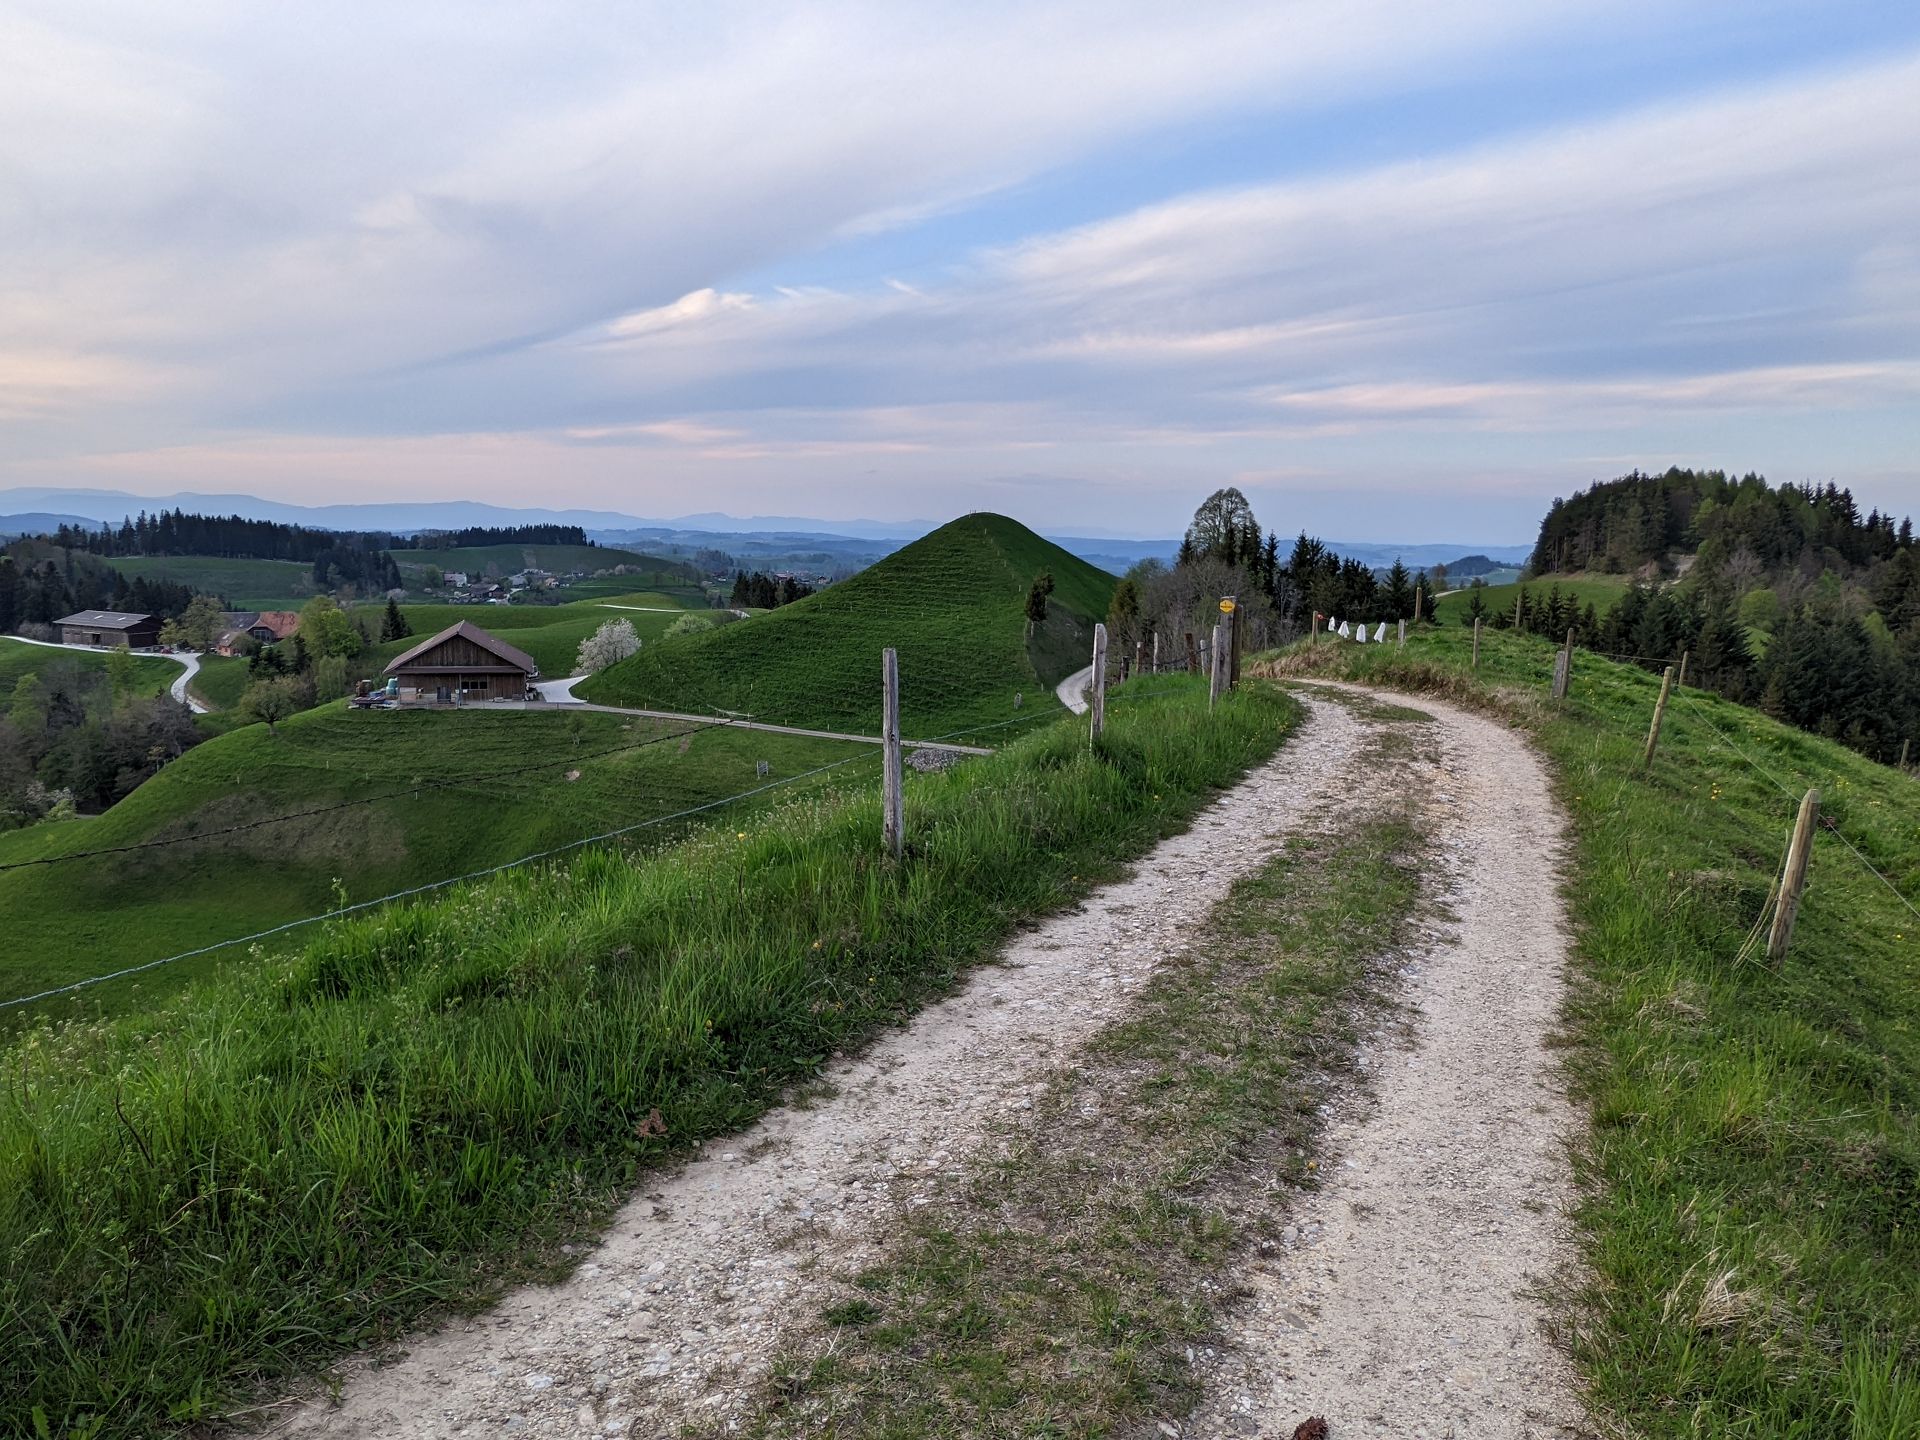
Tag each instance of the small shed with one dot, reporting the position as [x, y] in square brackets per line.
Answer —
[110, 627]
[463, 662]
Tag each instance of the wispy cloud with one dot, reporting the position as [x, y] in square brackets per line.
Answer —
[246, 232]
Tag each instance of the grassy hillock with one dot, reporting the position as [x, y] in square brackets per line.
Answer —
[1600, 591]
[413, 1108]
[156, 902]
[151, 676]
[1752, 1220]
[952, 603]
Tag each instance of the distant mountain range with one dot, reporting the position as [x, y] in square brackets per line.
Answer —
[33, 510]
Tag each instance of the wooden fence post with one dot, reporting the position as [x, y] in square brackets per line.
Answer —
[1685, 655]
[1193, 655]
[1659, 714]
[1156, 652]
[1097, 688]
[1222, 665]
[1403, 634]
[893, 811]
[1905, 745]
[1519, 605]
[1315, 632]
[1793, 877]
[1563, 669]
[1140, 657]
[1476, 642]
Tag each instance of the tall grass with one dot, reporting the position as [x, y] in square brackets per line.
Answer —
[1752, 1178]
[303, 1155]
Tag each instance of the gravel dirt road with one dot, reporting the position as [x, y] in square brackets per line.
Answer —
[1403, 1306]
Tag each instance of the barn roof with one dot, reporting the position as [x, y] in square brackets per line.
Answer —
[467, 630]
[103, 619]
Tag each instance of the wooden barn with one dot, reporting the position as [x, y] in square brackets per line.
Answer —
[110, 627]
[463, 662]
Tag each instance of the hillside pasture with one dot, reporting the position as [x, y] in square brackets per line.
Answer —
[1600, 591]
[194, 892]
[243, 584]
[952, 604]
[151, 675]
[498, 561]
[409, 1111]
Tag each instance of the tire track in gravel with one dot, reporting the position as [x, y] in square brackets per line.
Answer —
[1405, 1298]
[676, 1314]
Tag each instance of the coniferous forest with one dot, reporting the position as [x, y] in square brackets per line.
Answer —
[1784, 597]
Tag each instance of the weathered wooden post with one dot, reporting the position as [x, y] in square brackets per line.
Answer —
[1476, 642]
[1793, 877]
[1156, 652]
[1685, 655]
[1193, 655]
[1125, 669]
[1097, 690]
[1563, 669]
[1222, 664]
[1403, 634]
[1659, 714]
[893, 828]
[1905, 745]
[1519, 608]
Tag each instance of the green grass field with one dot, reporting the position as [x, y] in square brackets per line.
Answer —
[414, 1109]
[1752, 1220]
[220, 681]
[1600, 591]
[559, 559]
[950, 603]
[246, 584]
[157, 902]
[151, 676]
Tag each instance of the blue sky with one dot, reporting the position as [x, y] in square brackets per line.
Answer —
[1398, 270]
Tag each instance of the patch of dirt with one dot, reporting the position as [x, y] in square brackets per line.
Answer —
[674, 1317]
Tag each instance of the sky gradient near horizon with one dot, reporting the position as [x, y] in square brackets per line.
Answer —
[1395, 269]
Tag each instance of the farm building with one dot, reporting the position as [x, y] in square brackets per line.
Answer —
[463, 662]
[110, 627]
[266, 627]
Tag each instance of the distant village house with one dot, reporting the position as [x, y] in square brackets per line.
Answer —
[463, 662]
[110, 627]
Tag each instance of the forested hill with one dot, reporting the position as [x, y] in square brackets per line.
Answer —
[1626, 524]
[1793, 601]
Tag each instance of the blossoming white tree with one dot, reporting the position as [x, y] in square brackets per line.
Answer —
[613, 641]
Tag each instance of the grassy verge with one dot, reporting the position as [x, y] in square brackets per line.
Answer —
[1752, 1219]
[301, 1156]
[1063, 1291]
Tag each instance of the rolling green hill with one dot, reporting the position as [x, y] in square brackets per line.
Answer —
[500, 560]
[245, 584]
[1600, 591]
[154, 902]
[952, 603]
[151, 676]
